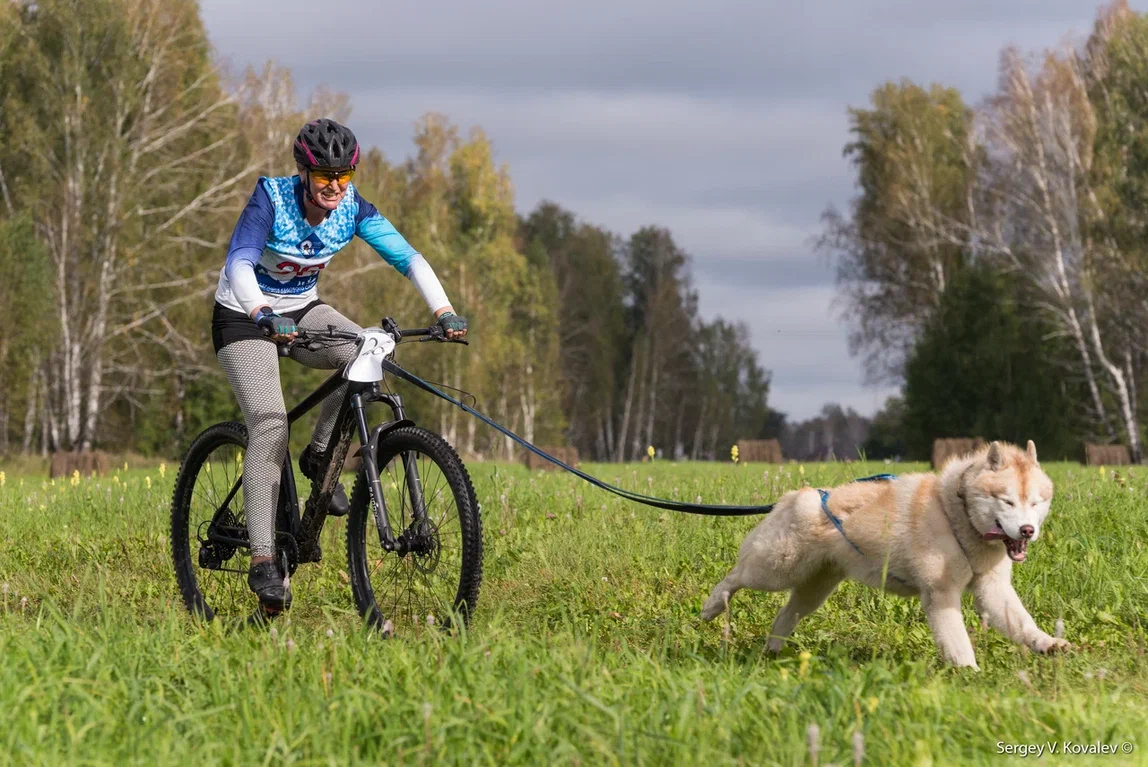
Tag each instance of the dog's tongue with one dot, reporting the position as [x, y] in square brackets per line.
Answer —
[996, 534]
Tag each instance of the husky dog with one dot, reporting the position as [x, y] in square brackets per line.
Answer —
[917, 535]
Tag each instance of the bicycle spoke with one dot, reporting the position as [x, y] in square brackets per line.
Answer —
[423, 581]
[222, 585]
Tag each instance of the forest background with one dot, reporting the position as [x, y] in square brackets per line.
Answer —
[992, 262]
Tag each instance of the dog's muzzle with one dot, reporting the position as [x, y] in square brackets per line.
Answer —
[1017, 548]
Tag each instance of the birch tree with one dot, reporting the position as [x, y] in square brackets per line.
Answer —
[1040, 131]
[897, 249]
[137, 148]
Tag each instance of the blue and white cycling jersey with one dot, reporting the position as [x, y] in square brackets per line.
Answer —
[275, 257]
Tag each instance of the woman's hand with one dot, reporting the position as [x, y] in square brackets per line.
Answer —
[278, 327]
[453, 325]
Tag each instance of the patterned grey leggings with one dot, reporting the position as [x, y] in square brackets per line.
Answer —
[252, 367]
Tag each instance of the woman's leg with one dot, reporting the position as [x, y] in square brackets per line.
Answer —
[326, 358]
[252, 367]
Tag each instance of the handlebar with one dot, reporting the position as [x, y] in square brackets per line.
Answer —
[388, 325]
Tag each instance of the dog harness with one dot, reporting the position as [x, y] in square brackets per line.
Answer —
[841, 528]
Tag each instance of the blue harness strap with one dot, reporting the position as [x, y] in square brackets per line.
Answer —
[837, 522]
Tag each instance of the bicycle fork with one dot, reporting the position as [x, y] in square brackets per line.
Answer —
[369, 441]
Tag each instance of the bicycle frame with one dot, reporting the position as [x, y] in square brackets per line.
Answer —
[297, 534]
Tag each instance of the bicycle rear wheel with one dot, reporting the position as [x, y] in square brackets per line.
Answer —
[212, 575]
[437, 582]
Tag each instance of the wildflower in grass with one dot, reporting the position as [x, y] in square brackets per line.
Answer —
[733, 453]
[1059, 628]
[804, 668]
[3, 479]
[162, 470]
[125, 466]
[43, 507]
[148, 480]
[801, 469]
[872, 704]
[290, 645]
[784, 674]
[330, 633]
[52, 483]
[75, 478]
[116, 480]
[1102, 472]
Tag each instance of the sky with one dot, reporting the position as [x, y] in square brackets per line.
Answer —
[723, 122]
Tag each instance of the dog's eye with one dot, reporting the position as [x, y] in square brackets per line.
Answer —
[1006, 501]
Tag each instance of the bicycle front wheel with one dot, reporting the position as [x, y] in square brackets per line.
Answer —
[436, 581]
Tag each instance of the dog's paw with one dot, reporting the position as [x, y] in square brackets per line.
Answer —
[715, 606]
[1049, 645]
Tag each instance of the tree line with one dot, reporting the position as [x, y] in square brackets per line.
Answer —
[128, 154]
[994, 259]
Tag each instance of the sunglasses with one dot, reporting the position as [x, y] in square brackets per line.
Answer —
[324, 177]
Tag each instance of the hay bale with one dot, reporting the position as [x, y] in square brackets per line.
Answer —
[65, 464]
[944, 449]
[1106, 455]
[568, 455]
[759, 451]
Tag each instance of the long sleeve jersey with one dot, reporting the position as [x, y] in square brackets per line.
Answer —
[275, 257]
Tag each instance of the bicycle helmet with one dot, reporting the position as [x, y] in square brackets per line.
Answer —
[325, 143]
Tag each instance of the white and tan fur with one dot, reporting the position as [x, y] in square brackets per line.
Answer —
[932, 532]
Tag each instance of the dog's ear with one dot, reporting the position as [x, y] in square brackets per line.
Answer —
[993, 460]
[1031, 450]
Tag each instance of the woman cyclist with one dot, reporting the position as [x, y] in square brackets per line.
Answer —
[290, 229]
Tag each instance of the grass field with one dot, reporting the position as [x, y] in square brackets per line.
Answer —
[586, 649]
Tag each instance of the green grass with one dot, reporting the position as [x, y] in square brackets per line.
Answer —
[586, 649]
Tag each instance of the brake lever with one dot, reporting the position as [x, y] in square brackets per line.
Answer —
[444, 340]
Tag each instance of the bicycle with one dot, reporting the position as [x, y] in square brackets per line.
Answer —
[393, 577]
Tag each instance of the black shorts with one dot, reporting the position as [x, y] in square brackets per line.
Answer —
[228, 325]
